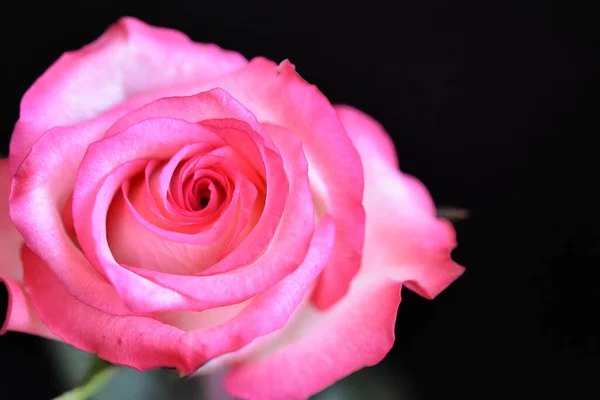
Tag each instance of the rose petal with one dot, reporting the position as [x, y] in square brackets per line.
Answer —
[10, 249]
[134, 341]
[191, 320]
[131, 57]
[40, 190]
[319, 348]
[366, 131]
[271, 309]
[20, 315]
[402, 230]
[210, 103]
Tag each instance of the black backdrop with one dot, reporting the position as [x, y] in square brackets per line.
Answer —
[489, 105]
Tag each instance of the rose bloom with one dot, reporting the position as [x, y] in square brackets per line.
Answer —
[168, 203]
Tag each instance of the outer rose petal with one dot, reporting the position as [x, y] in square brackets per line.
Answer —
[402, 231]
[365, 131]
[20, 316]
[322, 348]
[139, 342]
[39, 192]
[10, 239]
[130, 58]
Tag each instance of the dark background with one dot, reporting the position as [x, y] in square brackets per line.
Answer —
[490, 105]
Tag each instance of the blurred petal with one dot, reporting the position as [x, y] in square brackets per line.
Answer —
[10, 239]
[21, 316]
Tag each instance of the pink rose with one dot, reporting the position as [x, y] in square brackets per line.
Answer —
[175, 205]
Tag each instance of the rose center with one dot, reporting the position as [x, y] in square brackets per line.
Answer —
[203, 198]
[199, 195]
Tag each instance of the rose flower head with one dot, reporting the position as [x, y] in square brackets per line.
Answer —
[167, 203]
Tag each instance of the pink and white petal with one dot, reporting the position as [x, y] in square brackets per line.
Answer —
[367, 132]
[20, 315]
[134, 341]
[402, 231]
[192, 320]
[10, 249]
[39, 192]
[130, 58]
[377, 153]
[319, 348]
[414, 245]
[279, 96]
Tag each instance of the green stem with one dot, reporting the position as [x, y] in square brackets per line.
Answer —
[99, 374]
[452, 213]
